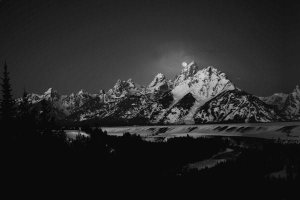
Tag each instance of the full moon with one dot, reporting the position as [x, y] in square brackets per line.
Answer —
[184, 64]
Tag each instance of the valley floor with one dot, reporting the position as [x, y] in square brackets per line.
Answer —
[289, 131]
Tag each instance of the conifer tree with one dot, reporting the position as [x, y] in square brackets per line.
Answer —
[7, 109]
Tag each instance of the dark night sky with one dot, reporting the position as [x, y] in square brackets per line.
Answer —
[69, 45]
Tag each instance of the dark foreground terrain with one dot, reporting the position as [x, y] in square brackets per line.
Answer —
[250, 167]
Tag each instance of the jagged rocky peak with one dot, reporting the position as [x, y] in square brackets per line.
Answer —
[210, 70]
[159, 83]
[157, 79]
[32, 98]
[287, 104]
[120, 85]
[235, 106]
[50, 93]
[101, 92]
[81, 92]
[188, 71]
[121, 88]
[84, 94]
[203, 84]
[130, 83]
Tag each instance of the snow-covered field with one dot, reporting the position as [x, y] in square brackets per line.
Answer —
[72, 134]
[279, 130]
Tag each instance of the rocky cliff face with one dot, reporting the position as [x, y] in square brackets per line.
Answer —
[235, 106]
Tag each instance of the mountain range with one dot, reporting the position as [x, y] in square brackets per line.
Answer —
[195, 95]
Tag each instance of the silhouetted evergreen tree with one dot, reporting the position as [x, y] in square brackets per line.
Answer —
[7, 101]
[7, 106]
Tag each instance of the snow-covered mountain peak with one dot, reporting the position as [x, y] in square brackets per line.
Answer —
[130, 82]
[160, 76]
[81, 92]
[50, 93]
[192, 67]
[188, 71]
[196, 95]
[159, 83]
[203, 84]
[212, 70]
[235, 106]
[119, 85]
[157, 79]
[121, 88]
[123, 84]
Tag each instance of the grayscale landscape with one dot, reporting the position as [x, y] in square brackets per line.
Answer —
[116, 97]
